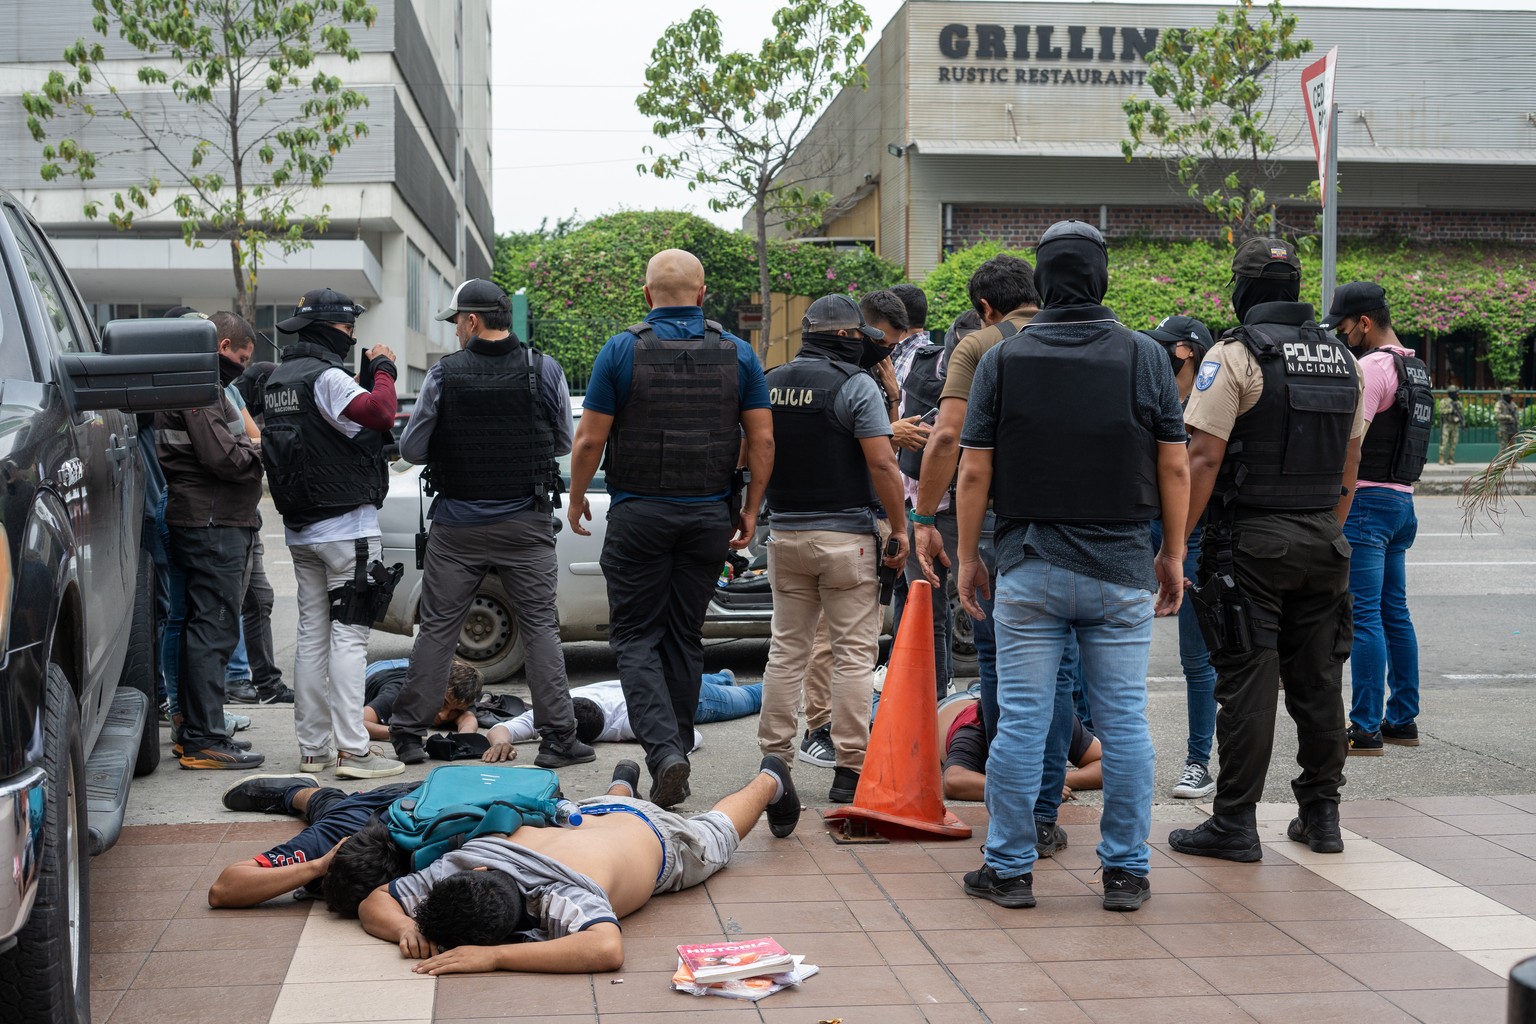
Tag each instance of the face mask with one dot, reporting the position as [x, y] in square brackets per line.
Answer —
[872, 354]
[1177, 362]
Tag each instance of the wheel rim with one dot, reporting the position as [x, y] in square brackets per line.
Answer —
[487, 630]
[72, 881]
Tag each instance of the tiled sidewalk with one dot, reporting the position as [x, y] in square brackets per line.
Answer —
[1418, 920]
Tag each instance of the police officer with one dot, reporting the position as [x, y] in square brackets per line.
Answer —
[833, 462]
[1381, 525]
[669, 399]
[1073, 553]
[1506, 417]
[488, 424]
[1275, 425]
[1451, 417]
[323, 445]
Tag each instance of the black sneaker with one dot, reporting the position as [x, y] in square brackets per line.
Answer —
[845, 783]
[1362, 743]
[565, 751]
[177, 750]
[627, 772]
[783, 813]
[816, 748]
[264, 793]
[1125, 890]
[1005, 892]
[1049, 838]
[1401, 735]
[409, 748]
[274, 694]
[1318, 826]
[669, 783]
[221, 756]
[240, 691]
[1222, 839]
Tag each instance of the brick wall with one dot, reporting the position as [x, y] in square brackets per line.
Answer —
[1021, 226]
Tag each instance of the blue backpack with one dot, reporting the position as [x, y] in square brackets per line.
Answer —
[459, 802]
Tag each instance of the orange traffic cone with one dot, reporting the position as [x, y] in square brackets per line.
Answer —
[901, 784]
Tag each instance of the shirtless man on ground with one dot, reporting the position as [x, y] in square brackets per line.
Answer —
[550, 899]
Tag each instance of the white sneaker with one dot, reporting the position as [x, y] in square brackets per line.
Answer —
[372, 765]
[316, 763]
[1196, 782]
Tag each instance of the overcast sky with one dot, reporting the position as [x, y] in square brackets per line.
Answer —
[566, 133]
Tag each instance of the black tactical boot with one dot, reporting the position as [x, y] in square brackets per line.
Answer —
[1318, 827]
[1224, 836]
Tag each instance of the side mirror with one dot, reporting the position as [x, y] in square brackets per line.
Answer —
[146, 366]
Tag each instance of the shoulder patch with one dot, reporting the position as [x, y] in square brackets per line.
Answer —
[1207, 376]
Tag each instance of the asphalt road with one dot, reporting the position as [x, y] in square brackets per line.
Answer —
[1473, 598]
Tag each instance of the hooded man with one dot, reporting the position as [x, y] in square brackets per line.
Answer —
[324, 448]
[1074, 554]
[1275, 426]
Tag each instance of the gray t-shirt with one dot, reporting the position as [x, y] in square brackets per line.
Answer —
[562, 901]
[1114, 552]
[859, 408]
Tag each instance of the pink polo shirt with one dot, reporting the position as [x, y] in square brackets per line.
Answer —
[1381, 382]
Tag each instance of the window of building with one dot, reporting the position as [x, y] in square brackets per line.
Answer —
[416, 296]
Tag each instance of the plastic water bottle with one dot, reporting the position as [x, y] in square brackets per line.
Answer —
[566, 814]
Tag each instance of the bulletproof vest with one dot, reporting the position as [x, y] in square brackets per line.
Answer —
[1072, 446]
[1396, 444]
[1286, 454]
[924, 385]
[314, 470]
[819, 466]
[679, 434]
[493, 439]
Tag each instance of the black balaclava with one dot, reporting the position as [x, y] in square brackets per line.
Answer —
[229, 371]
[327, 336]
[1071, 266]
[1248, 292]
[837, 346]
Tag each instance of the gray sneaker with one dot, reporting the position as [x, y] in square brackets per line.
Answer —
[1195, 782]
[370, 765]
[816, 748]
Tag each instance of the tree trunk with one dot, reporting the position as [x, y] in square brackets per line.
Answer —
[763, 283]
[245, 299]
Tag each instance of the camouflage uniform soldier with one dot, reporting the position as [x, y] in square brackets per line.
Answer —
[1449, 409]
[1507, 417]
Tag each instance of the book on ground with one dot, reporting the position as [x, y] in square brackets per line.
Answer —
[728, 961]
[751, 989]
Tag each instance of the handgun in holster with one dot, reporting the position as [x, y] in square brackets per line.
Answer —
[364, 599]
[739, 480]
[1224, 616]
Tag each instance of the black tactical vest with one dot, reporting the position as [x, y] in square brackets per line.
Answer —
[1396, 444]
[819, 466]
[314, 470]
[1072, 446]
[679, 434]
[493, 439]
[1287, 453]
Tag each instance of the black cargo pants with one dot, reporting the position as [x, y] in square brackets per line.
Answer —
[1294, 569]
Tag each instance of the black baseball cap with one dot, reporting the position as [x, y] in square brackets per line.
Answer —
[476, 295]
[1352, 299]
[323, 305]
[1274, 258]
[837, 313]
[1181, 330]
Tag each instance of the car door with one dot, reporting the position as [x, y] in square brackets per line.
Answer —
[89, 475]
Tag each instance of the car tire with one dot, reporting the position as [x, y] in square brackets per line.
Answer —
[140, 667]
[46, 975]
[491, 639]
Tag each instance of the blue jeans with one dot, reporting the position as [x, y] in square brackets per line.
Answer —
[1195, 657]
[239, 663]
[1038, 606]
[1381, 528]
[985, 637]
[720, 701]
[175, 618]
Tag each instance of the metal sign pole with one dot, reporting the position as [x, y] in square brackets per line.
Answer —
[1331, 212]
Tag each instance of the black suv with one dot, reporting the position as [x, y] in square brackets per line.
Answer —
[77, 603]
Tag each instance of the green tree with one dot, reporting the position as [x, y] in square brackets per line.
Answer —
[738, 117]
[233, 165]
[1210, 116]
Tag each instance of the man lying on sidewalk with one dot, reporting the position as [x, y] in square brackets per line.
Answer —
[602, 716]
[549, 899]
[963, 749]
[304, 861]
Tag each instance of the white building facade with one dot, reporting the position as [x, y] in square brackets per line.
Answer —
[410, 206]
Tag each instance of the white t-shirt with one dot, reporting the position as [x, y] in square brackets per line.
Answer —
[608, 696]
[334, 391]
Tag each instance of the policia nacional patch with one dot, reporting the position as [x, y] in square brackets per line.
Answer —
[1207, 375]
[1315, 359]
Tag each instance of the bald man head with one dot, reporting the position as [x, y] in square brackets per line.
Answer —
[674, 278]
